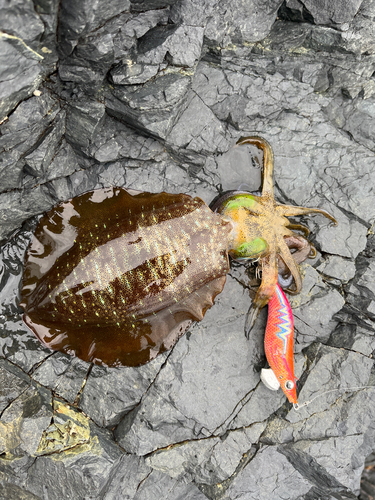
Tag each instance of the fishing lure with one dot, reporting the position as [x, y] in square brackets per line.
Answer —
[115, 277]
[278, 346]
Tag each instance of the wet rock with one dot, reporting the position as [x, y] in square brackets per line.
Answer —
[139, 482]
[338, 268]
[109, 393]
[261, 482]
[63, 374]
[26, 57]
[30, 132]
[209, 460]
[154, 106]
[240, 21]
[14, 492]
[14, 55]
[83, 121]
[153, 96]
[170, 411]
[76, 20]
[12, 382]
[16, 206]
[334, 13]
[355, 117]
[181, 45]
[197, 135]
[23, 422]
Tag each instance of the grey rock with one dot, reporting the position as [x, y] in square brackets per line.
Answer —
[90, 62]
[192, 12]
[355, 117]
[197, 134]
[82, 121]
[83, 468]
[240, 21]
[24, 421]
[257, 481]
[29, 124]
[125, 478]
[334, 13]
[63, 163]
[110, 393]
[63, 374]
[367, 280]
[158, 484]
[132, 73]
[13, 383]
[170, 411]
[38, 160]
[13, 87]
[77, 20]
[139, 482]
[337, 267]
[154, 106]
[20, 19]
[143, 100]
[181, 45]
[16, 206]
[26, 43]
[10, 491]
[115, 141]
[19, 345]
[209, 460]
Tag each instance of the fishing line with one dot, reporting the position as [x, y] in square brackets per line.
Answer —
[298, 406]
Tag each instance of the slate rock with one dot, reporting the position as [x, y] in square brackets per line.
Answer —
[13, 383]
[355, 117]
[11, 491]
[181, 45]
[334, 13]
[23, 422]
[131, 73]
[170, 411]
[154, 106]
[109, 393]
[21, 135]
[143, 100]
[62, 374]
[207, 461]
[89, 455]
[258, 481]
[338, 268]
[139, 482]
[241, 21]
[82, 121]
[77, 20]
[15, 85]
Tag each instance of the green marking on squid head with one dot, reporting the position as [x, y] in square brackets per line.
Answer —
[247, 240]
[250, 249]
[242, 201]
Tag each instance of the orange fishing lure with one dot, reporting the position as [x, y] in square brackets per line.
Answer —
[278, 343]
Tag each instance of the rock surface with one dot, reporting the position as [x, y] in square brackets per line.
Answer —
[153, 96]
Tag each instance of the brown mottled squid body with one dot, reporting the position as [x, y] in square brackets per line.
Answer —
[116, 278]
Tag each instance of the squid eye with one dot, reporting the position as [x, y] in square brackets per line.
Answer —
[289, 385]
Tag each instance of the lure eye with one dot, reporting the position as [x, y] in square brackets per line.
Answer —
[289, 385]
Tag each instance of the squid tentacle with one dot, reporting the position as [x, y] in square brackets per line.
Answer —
[265, 291]
[267, 172]
[299, 227]
[291, 264]
[291, 210]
